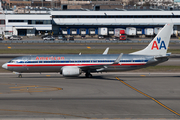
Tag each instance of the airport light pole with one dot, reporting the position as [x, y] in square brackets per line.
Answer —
[42, 3]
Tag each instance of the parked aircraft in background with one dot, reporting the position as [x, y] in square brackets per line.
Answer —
[74, 65]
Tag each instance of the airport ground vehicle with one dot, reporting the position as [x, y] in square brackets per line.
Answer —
[43, 36]
[9, 36]
[115, 38]
[71, 38]
[120, 33]
[131, 31]
[149, 31]
[107, 39]
[49, 38]
[102, 31]
[100, 36]
[61, 37]
[64, 39]
[83, 36]
[74, 65]
[15, 37]
[1, 37]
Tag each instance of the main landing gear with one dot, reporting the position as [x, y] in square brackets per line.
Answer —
[88, 75]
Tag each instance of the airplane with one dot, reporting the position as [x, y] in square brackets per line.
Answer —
[75, 64]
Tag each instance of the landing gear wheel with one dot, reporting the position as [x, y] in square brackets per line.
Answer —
[20, 76]
[88, 75]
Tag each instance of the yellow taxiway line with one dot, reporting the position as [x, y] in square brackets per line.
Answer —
[161, 104]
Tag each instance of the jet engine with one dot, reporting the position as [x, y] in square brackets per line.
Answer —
[69, 71]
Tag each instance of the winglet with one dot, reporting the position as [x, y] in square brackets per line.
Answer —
[106, 51]
[118, 59]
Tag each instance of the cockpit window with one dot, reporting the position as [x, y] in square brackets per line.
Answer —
[11, 61]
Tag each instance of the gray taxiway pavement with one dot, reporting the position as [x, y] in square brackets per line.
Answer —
[107, 95]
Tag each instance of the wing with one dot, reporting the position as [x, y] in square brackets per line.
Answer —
[100, 67]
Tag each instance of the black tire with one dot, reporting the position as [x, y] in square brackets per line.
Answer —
[20, 76]
[88, 75]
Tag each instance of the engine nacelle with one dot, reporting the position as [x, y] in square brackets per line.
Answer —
[71, 71]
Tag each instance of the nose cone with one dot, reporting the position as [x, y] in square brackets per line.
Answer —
[5, 66]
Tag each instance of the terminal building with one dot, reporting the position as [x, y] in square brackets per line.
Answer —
[2, 21]
[87, 22]
[74, 22]
[27, 24]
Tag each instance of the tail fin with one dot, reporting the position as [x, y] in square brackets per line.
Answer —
[159, 45]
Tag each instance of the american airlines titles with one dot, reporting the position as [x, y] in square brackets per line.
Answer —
[49, 58]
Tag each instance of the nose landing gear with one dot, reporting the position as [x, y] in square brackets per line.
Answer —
[20, 76]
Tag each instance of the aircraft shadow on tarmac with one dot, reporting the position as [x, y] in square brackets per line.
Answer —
[59, 76]
[99, 77]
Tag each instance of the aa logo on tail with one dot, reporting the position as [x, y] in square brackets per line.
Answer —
[159, 43]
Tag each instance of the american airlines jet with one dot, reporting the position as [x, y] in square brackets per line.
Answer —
[74, 65]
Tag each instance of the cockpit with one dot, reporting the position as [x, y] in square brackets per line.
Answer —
[16, 60]
[12, 61]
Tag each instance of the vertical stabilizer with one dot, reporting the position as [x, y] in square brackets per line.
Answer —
[159, 45]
